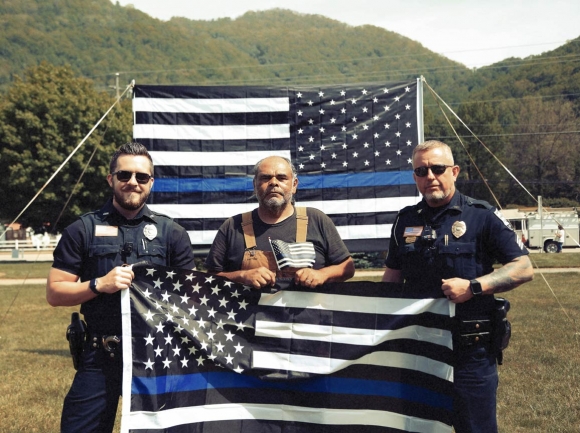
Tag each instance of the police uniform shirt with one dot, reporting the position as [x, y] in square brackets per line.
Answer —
[154, 238]
[462, 239]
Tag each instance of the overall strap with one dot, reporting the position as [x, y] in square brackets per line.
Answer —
[248, 228]
[301, 224]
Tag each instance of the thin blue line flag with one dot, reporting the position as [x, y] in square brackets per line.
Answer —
[204, 354]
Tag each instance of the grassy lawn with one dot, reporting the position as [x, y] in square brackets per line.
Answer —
[40, 269]
[539, 381]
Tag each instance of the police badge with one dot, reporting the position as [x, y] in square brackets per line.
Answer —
[150, 231]
[458, 229]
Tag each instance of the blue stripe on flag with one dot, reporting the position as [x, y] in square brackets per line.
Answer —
[327, 384]
[306, 182]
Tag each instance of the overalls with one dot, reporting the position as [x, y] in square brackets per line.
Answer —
[254, 258]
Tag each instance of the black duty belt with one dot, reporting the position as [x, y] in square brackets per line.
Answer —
[473, 332]
[111, 344]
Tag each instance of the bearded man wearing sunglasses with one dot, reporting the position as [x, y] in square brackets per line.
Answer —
[91, 267]
[445, 246]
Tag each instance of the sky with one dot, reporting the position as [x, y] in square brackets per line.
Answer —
[473, 32]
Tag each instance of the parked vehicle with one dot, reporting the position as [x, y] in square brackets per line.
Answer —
[539, 232]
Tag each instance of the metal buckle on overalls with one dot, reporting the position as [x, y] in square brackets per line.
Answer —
[111, 343]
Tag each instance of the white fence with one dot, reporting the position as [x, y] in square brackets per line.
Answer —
[34, 243]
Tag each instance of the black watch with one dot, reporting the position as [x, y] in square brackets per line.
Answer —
[93, 286]
[475, 287]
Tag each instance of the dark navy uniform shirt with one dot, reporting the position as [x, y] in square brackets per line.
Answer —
[462, 239]
[93, 245]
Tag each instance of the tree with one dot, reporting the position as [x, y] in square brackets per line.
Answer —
[44, 116]
[481, 175]
[545, 150]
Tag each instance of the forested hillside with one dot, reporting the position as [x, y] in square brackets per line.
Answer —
[98, 38]
[522, 113]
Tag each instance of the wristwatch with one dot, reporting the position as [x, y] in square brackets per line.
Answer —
[93, 286]
[475, 287]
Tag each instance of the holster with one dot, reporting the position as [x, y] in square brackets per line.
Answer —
[502, 328]
[76, 334]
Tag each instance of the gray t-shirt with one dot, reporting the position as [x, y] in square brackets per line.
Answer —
[228, 247]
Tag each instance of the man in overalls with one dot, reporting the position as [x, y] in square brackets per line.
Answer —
[241, 250]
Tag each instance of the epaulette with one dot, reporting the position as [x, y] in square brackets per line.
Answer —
[408, 209]
[478, 203]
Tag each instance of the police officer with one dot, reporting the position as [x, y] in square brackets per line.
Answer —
[446, 246]
[90, 268]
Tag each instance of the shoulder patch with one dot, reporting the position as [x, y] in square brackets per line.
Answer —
[498, 214]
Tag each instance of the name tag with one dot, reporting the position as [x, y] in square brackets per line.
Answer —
[106, 230]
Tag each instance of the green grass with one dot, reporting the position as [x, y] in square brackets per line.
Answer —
[40, 269]
[539, 381]
[24, 269]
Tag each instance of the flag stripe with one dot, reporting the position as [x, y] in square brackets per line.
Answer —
[320, 365]
[192, 184]
[274, 412]
[216, 210]
[176, 159]
[211, 132]
[347, 335]
[232, 193]
[357, 304]
[213, 105]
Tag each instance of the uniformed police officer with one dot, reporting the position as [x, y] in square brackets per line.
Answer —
[446, 246]
[90, 268]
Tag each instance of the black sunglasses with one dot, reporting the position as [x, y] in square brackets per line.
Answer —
[435, 169]
[125, 176]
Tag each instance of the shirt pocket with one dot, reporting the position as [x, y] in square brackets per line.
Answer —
[460, 259]
[104, 256]
[153, 252]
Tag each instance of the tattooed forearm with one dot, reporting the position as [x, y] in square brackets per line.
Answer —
[511, 275]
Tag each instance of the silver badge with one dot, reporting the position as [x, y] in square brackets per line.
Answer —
[150, 231]
[458, 229]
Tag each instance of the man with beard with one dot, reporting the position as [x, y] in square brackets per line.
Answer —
[91, 267]
[241, 250]
[446, 246]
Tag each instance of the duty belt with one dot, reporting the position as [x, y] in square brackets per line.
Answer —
[111, 344]
[473, 332]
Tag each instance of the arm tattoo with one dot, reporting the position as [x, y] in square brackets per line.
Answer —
[511, 275]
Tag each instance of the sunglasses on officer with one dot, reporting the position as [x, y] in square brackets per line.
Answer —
[125, 176]
[435, 169]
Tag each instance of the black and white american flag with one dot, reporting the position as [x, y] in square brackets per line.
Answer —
[295, 254]
[204, 354]
[351, 146]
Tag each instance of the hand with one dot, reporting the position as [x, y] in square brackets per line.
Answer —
[457, 290]
[308, 277]
[258, 278]
[119, 278]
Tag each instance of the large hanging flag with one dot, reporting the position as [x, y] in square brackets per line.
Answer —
[203, 354]
[351, 146]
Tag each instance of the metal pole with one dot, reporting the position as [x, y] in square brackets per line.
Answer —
[117, 84]
[541, 224]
